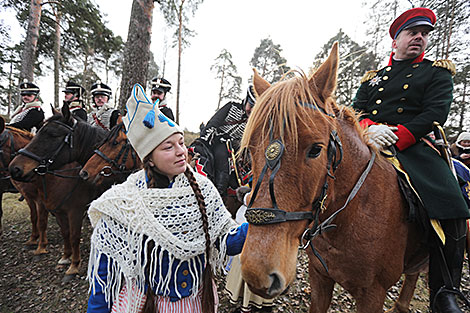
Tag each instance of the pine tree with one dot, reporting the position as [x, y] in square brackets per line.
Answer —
[226, 72]
[268, 61]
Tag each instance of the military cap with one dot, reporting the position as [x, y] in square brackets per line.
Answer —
[161, 84]
[74, 88]
[411, 18]
[250, 96]
[27, 88]
[99, 88]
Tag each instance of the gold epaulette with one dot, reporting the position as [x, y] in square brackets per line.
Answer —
[368, 76]
[447, 64]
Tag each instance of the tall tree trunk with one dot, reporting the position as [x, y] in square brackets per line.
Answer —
[58, 17]
[31, 42]
[180, 50]
[137, 49]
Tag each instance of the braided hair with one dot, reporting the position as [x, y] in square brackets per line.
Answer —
[157, 180]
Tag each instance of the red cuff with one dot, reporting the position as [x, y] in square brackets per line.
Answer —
[366, 123]
[405, 138]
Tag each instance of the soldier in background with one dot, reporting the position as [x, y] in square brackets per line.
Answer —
[29, 115]
[103, 114]
[160, 87]
[73, 98]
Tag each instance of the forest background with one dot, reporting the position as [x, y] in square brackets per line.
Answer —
[206, 48]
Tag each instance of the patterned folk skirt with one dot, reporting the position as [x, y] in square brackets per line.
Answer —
[164, 305]
[238, 291]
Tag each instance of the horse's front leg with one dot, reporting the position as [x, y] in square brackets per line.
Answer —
[370, 299]
[33, 239]
[42, 217]
[321, 287]
[75, 219]
[402, 305]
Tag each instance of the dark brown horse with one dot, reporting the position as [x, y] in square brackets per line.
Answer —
[313, 169]
[11, 140]
[52, 161]
[113, 161]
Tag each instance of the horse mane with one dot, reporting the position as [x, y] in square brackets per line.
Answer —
[21, 132]
[112, 134]
[87, 131]
[279, 107]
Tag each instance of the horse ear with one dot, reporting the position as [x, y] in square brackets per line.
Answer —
[66, 112]
[2, 124]
[259, 84]
[323, 81]
[54, 110]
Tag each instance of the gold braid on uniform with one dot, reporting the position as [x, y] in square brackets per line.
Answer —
[368, 76]
[447, 64]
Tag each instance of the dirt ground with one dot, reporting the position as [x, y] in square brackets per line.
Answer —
[34, 284]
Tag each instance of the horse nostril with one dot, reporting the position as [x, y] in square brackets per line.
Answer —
[15, 172]
[276, 285]
[84, 174]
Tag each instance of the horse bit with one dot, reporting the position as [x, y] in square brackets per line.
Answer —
[265, 216]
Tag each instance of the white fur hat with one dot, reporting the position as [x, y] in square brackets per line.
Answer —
[146, 126]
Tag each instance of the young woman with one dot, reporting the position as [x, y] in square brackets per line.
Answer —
[159, 236]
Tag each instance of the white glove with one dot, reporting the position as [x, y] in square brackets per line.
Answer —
[382, 136]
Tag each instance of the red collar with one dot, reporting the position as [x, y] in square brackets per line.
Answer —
[418, 59]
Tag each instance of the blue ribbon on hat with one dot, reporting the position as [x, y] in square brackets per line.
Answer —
[135, 90]
[149, 120]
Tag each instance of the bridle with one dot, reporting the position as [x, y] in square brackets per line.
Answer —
[273, 156]
[126, 149]
[46, 162]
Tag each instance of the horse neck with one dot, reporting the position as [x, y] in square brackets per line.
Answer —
[356, 155]
[88, 138]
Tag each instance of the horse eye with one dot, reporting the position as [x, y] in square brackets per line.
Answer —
[115, 143]
[314, 151]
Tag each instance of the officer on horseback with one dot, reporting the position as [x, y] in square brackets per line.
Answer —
[160, 87]
[399, 103]
[228, 123]
[29, 115]
[103, 114]
[73, 97]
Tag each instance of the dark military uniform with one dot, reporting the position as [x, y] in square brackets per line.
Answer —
[412, 94]
[28, 116]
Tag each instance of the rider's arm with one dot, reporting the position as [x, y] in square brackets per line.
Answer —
[33, 118]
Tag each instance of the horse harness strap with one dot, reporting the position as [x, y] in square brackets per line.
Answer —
[265, 216]
[45, 162]
[124, 152]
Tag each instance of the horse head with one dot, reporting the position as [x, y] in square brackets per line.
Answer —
[293, 138]
[113, 161]
[61, 140]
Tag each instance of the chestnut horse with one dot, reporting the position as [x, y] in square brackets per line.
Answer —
[112, 162]
[47, 162]
[320, 185]
[11, 140]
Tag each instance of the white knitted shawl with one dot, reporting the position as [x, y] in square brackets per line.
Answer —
[127, 216]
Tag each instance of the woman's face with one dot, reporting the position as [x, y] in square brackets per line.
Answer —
[169, 157]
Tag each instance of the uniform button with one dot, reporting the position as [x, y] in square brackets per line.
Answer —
[405, 86]
[385, 77]
[374, 112]
[409, 75]
[400, 110]
[378, 101]
[388, 68]
[381, 89]
[402, 99]
[185, 272]
[184, 285]
[415, 65]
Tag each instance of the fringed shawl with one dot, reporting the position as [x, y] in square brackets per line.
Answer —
[129, 216]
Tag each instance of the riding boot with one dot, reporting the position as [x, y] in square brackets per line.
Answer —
[445, 268]
[221, 182]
